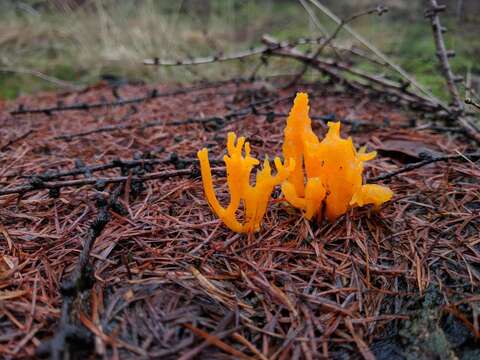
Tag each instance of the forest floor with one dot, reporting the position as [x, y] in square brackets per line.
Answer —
[165, 279]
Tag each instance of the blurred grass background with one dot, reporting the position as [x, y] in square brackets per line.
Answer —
[51, 44]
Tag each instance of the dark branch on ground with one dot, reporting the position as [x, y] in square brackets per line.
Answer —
[434, 159]
[38, 184]
[70, 337]
[153, 94]
[218, 120]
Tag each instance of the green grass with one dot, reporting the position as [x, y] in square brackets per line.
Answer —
[79, 45]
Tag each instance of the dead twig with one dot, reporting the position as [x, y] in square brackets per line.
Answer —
[410, 80]
[379, 10]
[70, 336]
[174, 159]
[376, 84]
[38, 184]
[150, 95]
[443, 54]
[413, 166]
[227, 57]
[219, 120]
[457, 109]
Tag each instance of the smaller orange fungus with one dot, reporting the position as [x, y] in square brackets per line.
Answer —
[255, 198]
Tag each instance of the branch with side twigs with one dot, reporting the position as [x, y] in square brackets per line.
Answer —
[103, 104]
[379, 10]
[443, 54]
[227, 57]
[257, 51]
[173, 159]
[457, 110]
[410, 79]
[38, 184]
[266, 50]
[379, 85]
[221, 120]
[336, 70]
[69, 333]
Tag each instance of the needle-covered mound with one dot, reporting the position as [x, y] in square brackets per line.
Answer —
[164, 281]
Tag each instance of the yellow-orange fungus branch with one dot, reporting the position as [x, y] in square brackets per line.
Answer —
[254, 198]
[332, 168]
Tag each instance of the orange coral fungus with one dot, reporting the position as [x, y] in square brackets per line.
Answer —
[255, 198]
[333, 168]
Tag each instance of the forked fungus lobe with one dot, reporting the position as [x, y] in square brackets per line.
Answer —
[255, 198]
[318, 175]
[332, 168]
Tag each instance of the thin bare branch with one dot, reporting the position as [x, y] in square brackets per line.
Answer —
[372, 83]
[443, 54]
[226, 57]
[38, 184]
[417, 165]
[410, 79]
[153, 94]
[379, 10]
